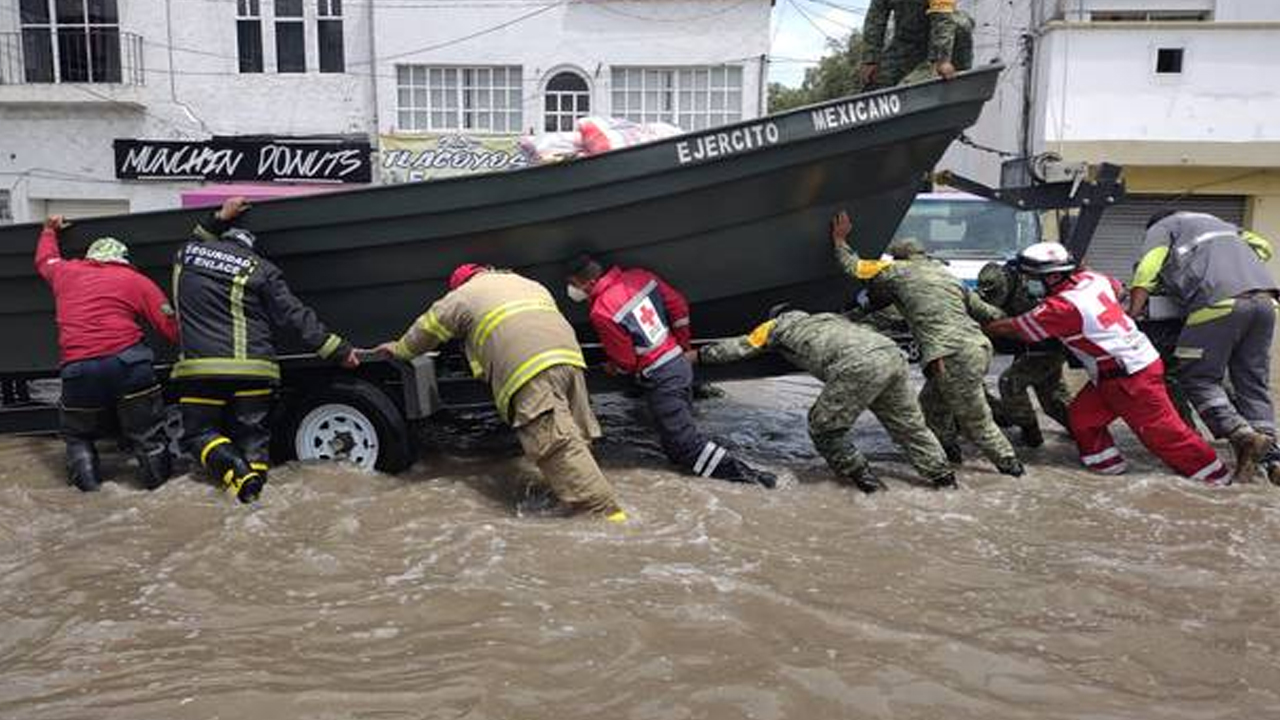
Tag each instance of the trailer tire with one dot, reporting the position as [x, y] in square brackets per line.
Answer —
[350, 419]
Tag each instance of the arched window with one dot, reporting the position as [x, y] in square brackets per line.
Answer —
[567, 99]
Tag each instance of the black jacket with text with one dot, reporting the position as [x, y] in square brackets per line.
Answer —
[230, 303]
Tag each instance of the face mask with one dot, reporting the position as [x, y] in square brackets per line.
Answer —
[1036, 288]
[575, 293]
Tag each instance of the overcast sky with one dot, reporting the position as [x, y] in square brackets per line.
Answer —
[798, 40]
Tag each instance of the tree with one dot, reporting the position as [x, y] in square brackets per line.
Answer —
[835, 75]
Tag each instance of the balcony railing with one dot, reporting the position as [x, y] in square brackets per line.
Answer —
[71, 55]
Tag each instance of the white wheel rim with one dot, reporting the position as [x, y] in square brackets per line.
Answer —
[337, 432]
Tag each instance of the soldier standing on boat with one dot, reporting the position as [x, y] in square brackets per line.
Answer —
[1035, 367]
[931, 39]
[517, 340]
[107, 371]
[954, 353]
[861, 369]
[635, 313]
[1219, 276]
[231, 302]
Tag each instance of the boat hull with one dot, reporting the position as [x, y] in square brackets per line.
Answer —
[735, 217]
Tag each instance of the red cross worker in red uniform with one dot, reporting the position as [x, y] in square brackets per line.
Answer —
[1126, 377]
[643, 324]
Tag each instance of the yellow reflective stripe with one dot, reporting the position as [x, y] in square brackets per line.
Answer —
[402, 351]
[236, 367]
[430, 323]
[209, 446]
[1213, 312]
[228, 479]
[1260, 245]
[760, 336]
[239, 332]
[530, 368]
[201, 401]
[1148, 270]
[498, 315]
[259, 466]
[618, 517]
[177, 275]
[254, 393]
[330, 345]
[141, 393]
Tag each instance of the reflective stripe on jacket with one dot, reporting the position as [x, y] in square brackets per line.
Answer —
[510, 327]
[230, 304]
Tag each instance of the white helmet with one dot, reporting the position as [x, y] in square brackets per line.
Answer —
[1044, 258]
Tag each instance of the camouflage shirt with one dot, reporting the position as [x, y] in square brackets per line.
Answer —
[820, 344]
[1006, 289]
[922, 24]
[942, 313]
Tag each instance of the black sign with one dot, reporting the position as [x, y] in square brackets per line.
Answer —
[256, 159]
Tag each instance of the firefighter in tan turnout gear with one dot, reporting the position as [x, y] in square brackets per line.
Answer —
[517, 340]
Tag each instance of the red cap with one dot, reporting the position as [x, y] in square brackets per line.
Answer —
[463, 273]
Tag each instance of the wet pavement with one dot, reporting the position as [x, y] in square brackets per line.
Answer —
[344, 594]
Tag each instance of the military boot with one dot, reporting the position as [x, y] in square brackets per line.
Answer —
[955, 455]
[82, 465]
[1250, 448]
[1031, 436]
[867, 481]
[734, 470]
[1010, 466]
[945, 482]
[1271, 461]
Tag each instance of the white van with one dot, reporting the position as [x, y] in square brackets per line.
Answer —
[968, 231]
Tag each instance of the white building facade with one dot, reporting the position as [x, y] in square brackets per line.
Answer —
[206, 82]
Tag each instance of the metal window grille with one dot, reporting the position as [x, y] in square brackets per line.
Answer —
[76, 41]
[475, 99]
[693, 98]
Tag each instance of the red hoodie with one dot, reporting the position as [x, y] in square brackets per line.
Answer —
[99, 303]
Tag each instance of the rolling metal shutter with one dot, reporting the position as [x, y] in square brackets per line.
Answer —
[80, 209]
[1119, 237]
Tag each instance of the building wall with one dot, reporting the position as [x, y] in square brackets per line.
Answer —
[57, 138]
[586, 37]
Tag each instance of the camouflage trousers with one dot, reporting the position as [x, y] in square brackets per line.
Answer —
[954, 401]
[904, 64]
[877, 381]
[1041, 372]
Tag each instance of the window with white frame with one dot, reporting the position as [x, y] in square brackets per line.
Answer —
[567, 98]
[329, 35]
[694, 98]
[475, 99]
[70, 41]
[249, 35]
[291, 40]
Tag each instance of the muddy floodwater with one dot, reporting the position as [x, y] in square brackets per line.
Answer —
[351, 595]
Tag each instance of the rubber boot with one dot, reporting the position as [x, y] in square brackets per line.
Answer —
[1010, 466]
[82, 465]
[230, 467]
[1250, 447]
[142, 420]
[1031, 436]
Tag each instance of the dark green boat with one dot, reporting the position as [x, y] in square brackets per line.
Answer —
[736, 217]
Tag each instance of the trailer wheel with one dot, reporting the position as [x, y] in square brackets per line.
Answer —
[350, 420]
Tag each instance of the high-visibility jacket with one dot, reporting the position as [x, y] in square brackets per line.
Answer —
[643, 322]
[510, 327]
[230, 303]
[99, 303]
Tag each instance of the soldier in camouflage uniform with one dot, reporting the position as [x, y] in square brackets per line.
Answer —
[1034, 367]
[931, 39]
[862, 370]
[954, 352]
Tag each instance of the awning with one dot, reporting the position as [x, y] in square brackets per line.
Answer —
[214, 195]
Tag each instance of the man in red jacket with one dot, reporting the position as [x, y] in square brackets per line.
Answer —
[643, 324]
[107, 372]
